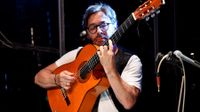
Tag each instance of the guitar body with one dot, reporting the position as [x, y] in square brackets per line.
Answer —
[84, 92]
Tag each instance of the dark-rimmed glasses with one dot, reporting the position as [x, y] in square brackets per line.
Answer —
[93, 27]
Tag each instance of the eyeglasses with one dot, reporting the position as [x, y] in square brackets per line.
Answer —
[93, 28]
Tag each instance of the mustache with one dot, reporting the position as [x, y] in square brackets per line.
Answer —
[99, 40]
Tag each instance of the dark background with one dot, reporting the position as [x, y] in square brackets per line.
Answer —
[175, 27]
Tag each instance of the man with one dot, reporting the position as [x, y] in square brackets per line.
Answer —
[100, 22]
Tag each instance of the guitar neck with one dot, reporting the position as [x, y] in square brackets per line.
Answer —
[122, 29]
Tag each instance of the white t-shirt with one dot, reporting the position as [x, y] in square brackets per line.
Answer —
[132, 74]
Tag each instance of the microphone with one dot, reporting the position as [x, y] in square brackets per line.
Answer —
[83, 33]
[158, 60]
[187, 59]
[158, 56]
[169, 58]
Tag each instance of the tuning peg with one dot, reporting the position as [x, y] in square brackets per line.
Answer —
[152, 15]
[158, 11]
[147, 18]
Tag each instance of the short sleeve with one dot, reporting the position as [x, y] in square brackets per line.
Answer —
[68, 57]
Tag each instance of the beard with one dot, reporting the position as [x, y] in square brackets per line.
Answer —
[100, 40]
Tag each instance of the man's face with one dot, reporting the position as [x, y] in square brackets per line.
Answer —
[99, 28]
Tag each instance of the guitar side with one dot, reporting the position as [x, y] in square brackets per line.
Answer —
[84, 92]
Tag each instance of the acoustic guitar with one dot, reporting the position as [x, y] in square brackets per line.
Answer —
[92, 80]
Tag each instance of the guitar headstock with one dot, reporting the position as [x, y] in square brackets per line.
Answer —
[150, 7]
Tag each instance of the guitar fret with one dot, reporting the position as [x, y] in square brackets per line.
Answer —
[93, 61]
[116, 35]
[122, 28]
[96, 59]
[129, 21]
[89, 65]
[83, 71]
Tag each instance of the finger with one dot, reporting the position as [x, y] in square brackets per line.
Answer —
[99, 53]
[68, 81]
[105, 47]
[67, 87]
[101, 48]
[68, 73]
[68, 84]
[110, 44]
